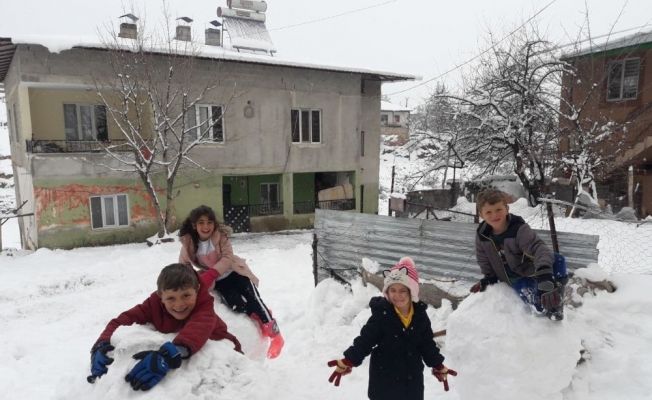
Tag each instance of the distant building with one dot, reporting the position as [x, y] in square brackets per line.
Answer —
[621, 71]
[394, 123]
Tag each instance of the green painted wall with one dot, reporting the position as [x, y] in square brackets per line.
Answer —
[304, 187]
[63, 211]
[197, 188]
[238, 189]
[239, 185]
[254, 186]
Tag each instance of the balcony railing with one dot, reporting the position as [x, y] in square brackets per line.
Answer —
[308, 207]
[75, 146]
[259, 210]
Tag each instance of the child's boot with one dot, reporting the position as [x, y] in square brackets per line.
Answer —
[276, 341]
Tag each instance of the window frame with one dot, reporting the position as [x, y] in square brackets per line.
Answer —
[115, 210]
[269, 185]
[210, 138]
[270, 207]
[310, 125]
[78, 121]
[622, 84]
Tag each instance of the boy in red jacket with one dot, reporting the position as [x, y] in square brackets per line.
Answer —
[181, 304]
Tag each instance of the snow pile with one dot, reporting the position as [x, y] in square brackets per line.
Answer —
[504, 352]
[53, 304]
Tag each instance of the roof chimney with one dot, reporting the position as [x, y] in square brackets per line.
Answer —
[183, 30]
[128, 29]
[212, 37]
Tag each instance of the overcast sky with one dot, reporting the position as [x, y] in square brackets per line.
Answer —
[417, 37]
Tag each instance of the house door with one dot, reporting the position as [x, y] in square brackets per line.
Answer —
[237, 217]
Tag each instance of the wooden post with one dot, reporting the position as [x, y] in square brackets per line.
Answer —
[553, 230]
[315, 268]
[391, 190]
[630, 186]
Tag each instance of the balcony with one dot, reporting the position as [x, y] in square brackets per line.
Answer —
[76, 146]
[259, 210]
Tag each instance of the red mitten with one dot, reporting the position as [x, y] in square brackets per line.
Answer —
[478, 287]
[342, 367]
[441, 373]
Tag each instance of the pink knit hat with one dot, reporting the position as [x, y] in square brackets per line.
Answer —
[405, 273]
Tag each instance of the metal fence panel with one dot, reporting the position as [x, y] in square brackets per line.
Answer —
[440, 248]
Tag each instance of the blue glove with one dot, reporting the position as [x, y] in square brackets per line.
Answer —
[99, 360]
[153, 366]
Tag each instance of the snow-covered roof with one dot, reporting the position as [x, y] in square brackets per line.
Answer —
[7, 49]
[57, 44]
[387, 106]
[635, 39]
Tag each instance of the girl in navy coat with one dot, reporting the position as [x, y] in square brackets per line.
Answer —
[399, 338]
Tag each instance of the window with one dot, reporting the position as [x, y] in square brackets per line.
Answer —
[623, 79]
[211, 122]
[362, 143]
[384, 119]
[269, 197]
[85, 122]
[109, 211]
[305, 125]
[397, 119]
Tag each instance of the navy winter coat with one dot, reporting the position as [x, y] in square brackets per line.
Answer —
[397, 353]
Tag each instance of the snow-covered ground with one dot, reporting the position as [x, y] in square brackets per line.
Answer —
[54, 304]
[10, 236]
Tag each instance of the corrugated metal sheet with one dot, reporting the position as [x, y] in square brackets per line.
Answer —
[440, 248]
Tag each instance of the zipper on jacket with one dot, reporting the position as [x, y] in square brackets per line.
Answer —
[504, 260]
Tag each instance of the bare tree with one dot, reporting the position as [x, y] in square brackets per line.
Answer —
[151, 96]
[585, 155]
[435, 133]
[512, 99]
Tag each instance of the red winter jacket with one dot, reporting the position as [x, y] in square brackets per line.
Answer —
[193, 332]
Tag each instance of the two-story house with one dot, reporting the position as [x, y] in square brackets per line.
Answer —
[294, 129]
[394, 122]
[613, 84]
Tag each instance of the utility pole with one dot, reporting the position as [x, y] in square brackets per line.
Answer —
[391, 190]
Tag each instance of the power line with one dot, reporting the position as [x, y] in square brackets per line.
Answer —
[591, 38]
[333, 16]
[478, 55]
[561, 46]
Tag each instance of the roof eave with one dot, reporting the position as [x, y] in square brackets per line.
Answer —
[7, 50]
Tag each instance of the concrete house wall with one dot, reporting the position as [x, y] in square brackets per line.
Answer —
[38, 83]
